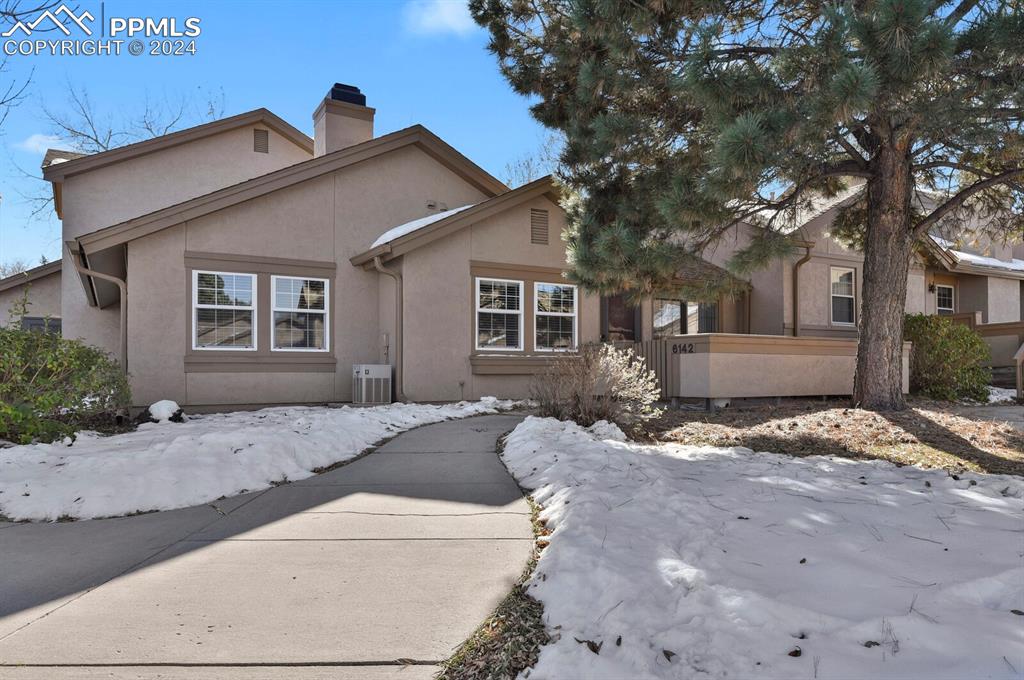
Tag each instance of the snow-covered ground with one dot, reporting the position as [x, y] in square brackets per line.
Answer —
[1001, 395]
[172, 465]
[687, 562]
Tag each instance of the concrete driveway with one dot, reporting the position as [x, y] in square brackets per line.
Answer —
[377, 569]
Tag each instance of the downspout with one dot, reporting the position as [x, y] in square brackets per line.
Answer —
[122, 287]
[796, 288]
[379, 266]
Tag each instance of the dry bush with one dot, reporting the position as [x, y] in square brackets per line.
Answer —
[598, 382]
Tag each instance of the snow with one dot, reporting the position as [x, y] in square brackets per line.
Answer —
[162, 410]
[159, 466]
[1000, 395]
[409, 227]
[1013, 264]
[719, 562]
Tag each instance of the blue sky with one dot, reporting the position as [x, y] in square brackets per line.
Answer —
[417, 61]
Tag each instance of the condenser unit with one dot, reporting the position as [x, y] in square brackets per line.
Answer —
[371, 384]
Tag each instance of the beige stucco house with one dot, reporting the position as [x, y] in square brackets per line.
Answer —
[39, 287]
[241, 262]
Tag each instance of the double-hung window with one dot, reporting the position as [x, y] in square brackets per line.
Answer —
[844, 296]
[945, 299]
[499, 314]
[554, 316]
[300, 313]
[224, 311]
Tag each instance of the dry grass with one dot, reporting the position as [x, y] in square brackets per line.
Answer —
[928, 434]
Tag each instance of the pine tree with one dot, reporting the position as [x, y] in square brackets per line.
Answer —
[683, 118]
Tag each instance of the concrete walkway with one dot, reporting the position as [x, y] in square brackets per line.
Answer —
[375, 570]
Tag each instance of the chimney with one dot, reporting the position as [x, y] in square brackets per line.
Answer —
[341, 120]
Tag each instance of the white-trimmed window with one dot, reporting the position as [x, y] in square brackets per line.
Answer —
[844, 296]
[499, 314]
[945, 299]
[223, 311]
[300, 311]
[554, 319]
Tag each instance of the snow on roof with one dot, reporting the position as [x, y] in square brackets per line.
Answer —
[1012, 264]
[409, 227]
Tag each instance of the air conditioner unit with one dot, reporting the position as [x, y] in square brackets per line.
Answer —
[371, 384]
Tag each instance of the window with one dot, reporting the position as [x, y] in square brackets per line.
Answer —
[620, 321]
[555, 316]
[300, 314]
[707, 317]
[843, 296]
[676, 317]
[40, 323]
[668, 318]
[224, 313]
[499, 314]
[944, 299]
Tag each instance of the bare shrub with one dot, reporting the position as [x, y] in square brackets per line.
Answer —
[598, 382]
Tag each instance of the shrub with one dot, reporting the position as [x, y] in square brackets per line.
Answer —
[598, 382]
[946, 359]
[50, 386]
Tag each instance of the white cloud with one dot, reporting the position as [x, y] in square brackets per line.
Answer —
[38, 143]
[434, 17]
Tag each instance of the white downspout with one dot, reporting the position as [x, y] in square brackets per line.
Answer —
[399, 354]
[122, 287]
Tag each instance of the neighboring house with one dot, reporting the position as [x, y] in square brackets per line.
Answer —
[40, 286]
[241, 262]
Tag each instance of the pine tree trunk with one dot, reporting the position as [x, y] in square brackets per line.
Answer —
[887, 253]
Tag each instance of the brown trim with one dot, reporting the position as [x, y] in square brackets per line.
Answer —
[482, 364]
[731, 343]
[30, 275]
[259, 364]
[457, 221]
[528, 275]
[263, 359]
[60, 171]
[286, 177]
[255, 264]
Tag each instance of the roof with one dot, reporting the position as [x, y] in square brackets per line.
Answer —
[220, 199]
[411, 235]
[401, 230]
[960, 260]
[30, 275]
[78, 163]
[813, 207]
[59, 156]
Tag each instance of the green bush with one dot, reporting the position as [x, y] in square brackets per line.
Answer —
[50, 386]
[946, 359]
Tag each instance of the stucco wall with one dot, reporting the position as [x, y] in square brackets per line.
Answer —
[43, 298]
[972, 295]
[114, 193]
[439, 308]
[325, 219]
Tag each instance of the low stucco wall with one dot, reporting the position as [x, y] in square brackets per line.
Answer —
[717, 366]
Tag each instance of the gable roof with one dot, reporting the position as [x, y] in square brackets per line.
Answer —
[417, 135]
[30, 275]
[78, 163]
[401, 239]
[59, 156]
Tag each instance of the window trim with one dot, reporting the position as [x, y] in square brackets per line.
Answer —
[253, 307]
[952, 295]
[833, 294]
[575, 316]
[326, 312]
[521, 313]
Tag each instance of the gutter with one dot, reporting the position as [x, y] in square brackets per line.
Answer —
[122, 287]
[379, 266]
[796, 286]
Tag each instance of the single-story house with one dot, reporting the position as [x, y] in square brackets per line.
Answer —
[40, 288]
[242, 262]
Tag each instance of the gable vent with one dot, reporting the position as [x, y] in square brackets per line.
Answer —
[539, 226]
[261, 141]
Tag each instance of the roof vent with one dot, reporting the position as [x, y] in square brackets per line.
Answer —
[347, 93]
[538, 226]
[261, 141]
